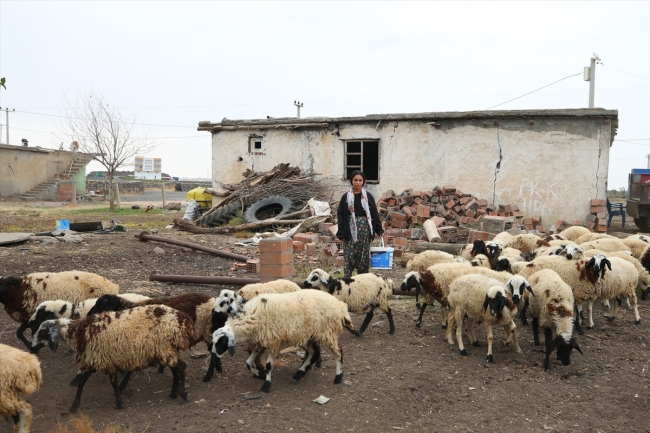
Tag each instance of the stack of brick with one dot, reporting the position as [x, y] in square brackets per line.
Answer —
[276, 258]
[597, 218]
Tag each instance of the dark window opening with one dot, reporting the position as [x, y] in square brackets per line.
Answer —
[255, 144]
[364, 156]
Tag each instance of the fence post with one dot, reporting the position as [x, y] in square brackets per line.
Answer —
[163, 195]
[117, 195]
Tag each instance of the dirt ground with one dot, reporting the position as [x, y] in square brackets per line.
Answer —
[412, 380]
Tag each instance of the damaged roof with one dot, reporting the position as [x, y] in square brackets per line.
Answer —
[306, 122]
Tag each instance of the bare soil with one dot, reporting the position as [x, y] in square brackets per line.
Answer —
[412, 380]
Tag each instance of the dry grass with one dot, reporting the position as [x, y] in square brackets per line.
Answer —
[83, 424]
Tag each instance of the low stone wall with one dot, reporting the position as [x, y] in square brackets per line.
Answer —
[101, 187]
[187, 186]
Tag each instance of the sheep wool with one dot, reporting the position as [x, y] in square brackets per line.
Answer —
[637, 247]
[620, 282]
[249, 291]
[592, 237]
[307, 318]
[427, 259]
[20, 373]
[574, 232]
[605, 244]
[527, 243]
[552, 308]
[127, 340]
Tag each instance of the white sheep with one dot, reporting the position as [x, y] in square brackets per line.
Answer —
[504, 238]
[527, 243]
[593, 237]
[513, 253]
[643, 274]
[644, 238]
[582, 275]
[21, 295]
[20, 373]
[362, 293]
[551, 306]
[476, 298]
[434, 283]
[308, 319]
[429, 258]
[605, 244]
[574, 232]
[620, 282]
[481, 260]
[249, 291]
[555, 237]
[637, 247]
[124, 341]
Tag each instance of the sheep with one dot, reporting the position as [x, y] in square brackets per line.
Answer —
[637, 247]
[50, 310]
[574, 232]
[512, 253]
[581, 275]
[644, 238]
[608, 245]
[249, 291]
[620, 282]
[504, 238]
[527, 243]
[552, 308]
[481, 260]
[21, 295]
[363, 293]
[198, 306]
[570, 251]
[505, 264]
[556, 237]
[428, 258]
[494, 250]
[470, 296]
[557, 242]
[308, 318]
[644, 277]
[123, 340]
[592, 237]
[20, 373]
[470, 250]
[434, 283]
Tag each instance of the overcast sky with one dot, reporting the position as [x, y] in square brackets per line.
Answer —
[173, 64]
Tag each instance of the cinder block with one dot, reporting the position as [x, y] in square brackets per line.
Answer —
[253, 265]
[298, 246]
[311, 249]
[276, 258]
[493, 224]
[276, 245]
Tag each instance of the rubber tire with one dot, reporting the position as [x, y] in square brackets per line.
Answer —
[643, 223]
[268, 208]
[220, 216]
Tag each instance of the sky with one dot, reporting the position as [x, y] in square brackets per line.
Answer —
[173, 64]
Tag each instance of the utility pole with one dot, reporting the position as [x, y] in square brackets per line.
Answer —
[298, 104]
[590, 75]
[7, 125]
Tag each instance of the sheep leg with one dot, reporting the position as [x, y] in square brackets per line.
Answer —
[490, 339]
[617, 304]
[590, 310]
[269, 366]
[443, 312]
[116, 390]
[459, 336]
[180, 382]
[366, 321]
[161, 369]
[451, 323]
[508, 340]
[10, 424]
[389, 316]
[470, 333]
[316, 358]
[513, 336]
[80, 388]
[548, 341]
[522, 314]
[536, 331]
[576, 319]
[215, 363]
[419, 321]
[75, 380]
[637, 318]
[308, 361]
[125, 380]
[338, 354]
[253, 364]
[24, 420]
[20, 334]
[174, 392]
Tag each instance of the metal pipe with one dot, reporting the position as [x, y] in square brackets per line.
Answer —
[197, 279]
[146, 236]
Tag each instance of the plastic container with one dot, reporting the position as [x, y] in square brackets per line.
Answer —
[381, 257]
[63, 224]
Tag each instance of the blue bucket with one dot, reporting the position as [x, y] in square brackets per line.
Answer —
[381, 257]
[63, 224]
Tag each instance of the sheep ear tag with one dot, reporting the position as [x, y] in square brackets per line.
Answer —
[53, 341]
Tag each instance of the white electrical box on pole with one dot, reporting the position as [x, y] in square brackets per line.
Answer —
[590, 75]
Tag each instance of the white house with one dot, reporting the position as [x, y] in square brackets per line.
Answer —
[147, 168]
[548, 162]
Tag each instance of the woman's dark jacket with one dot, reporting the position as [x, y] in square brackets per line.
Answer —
[343, 217]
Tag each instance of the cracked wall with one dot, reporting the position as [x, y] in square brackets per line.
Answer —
[549, 167]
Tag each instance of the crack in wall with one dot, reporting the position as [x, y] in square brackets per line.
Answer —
[496, 170]
[600, 150]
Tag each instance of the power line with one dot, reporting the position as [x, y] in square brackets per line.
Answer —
[68, 117]
[631, 142]
[518, 97]
[631, 75]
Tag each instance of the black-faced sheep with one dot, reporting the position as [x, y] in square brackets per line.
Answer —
[21, 295]
[305, 319]
[197, 306]
[469, 251]
[20, 373]
[124, 341]
[477, 298]
[363, 293]
[552, 308]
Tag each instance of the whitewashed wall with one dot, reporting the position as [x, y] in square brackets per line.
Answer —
[547, 166]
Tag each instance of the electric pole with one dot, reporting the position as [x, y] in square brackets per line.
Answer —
[298, 104]
[7, 125]
[590, 75]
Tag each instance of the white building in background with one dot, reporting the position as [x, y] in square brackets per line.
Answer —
[147, 168]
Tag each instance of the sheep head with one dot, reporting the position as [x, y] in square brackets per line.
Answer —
[106, 303]
[223, 339]
[503, 264]
[496, 300]
[318, 278]
[49, 333]
[48, 310]
[227, 302]
[493, 249]
[516, 285]
[574, 251]
[565, 343]
[479, 247]
[597, 264]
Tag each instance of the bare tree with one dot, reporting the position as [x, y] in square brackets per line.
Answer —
[109, 136]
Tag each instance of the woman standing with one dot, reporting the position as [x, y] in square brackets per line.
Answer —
[358, 221]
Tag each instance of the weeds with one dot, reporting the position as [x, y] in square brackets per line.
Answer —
[244, 235]
[83, 424]
[238, 219]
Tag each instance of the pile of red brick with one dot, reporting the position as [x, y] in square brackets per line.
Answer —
[597, 219]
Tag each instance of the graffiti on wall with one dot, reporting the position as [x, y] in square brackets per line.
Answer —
[536, 197]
